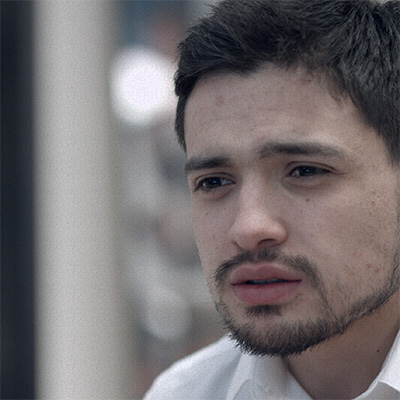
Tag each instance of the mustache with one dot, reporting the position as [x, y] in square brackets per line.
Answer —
[299, 264]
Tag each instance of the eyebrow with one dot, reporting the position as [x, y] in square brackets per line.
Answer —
[200, 163]
[307, 149]
[268, 150]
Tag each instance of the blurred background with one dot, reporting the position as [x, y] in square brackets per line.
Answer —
[101, 286]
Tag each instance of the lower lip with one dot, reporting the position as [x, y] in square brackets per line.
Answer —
[269, 294]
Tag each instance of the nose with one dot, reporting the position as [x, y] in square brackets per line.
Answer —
[258, 221]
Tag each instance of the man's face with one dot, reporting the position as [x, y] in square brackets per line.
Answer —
[295, 208]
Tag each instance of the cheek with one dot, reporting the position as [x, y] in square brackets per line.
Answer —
[355, 240]
[371, 227]
[210, 230]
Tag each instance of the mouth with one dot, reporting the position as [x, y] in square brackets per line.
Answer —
[264, 281]
[264, 285]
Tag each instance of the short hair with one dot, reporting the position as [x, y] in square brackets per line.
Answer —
[353, 44]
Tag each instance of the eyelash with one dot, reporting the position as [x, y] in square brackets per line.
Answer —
[316, 171]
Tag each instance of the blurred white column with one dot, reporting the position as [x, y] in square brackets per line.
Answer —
[83, 329]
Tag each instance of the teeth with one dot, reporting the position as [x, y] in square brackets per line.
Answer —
[265, 282]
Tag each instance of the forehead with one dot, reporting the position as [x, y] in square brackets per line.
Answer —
[229, 109]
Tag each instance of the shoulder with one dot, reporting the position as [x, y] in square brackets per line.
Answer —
[205, 374]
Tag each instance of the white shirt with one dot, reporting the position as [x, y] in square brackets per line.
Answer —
[221, 371]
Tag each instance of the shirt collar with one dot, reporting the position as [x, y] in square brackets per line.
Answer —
[263, 377]
[390, 371]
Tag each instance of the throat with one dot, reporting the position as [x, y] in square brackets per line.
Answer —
[345, 366]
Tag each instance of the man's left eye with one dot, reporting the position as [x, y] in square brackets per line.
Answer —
[307, 171]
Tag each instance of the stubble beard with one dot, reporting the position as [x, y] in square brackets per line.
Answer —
[292, 338]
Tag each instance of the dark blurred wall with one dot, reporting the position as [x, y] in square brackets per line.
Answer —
[17, 269]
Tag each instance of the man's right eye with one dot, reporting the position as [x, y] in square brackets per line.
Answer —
[212, 183]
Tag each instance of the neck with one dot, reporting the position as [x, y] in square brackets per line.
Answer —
[344, 367]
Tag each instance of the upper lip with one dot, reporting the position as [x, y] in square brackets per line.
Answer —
[258, 272]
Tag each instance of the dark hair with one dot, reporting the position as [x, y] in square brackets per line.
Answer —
[353, 44]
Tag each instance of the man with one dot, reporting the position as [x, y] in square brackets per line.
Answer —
[289, 113]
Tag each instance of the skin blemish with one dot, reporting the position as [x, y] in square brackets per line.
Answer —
[219, 100]
[375, 269]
